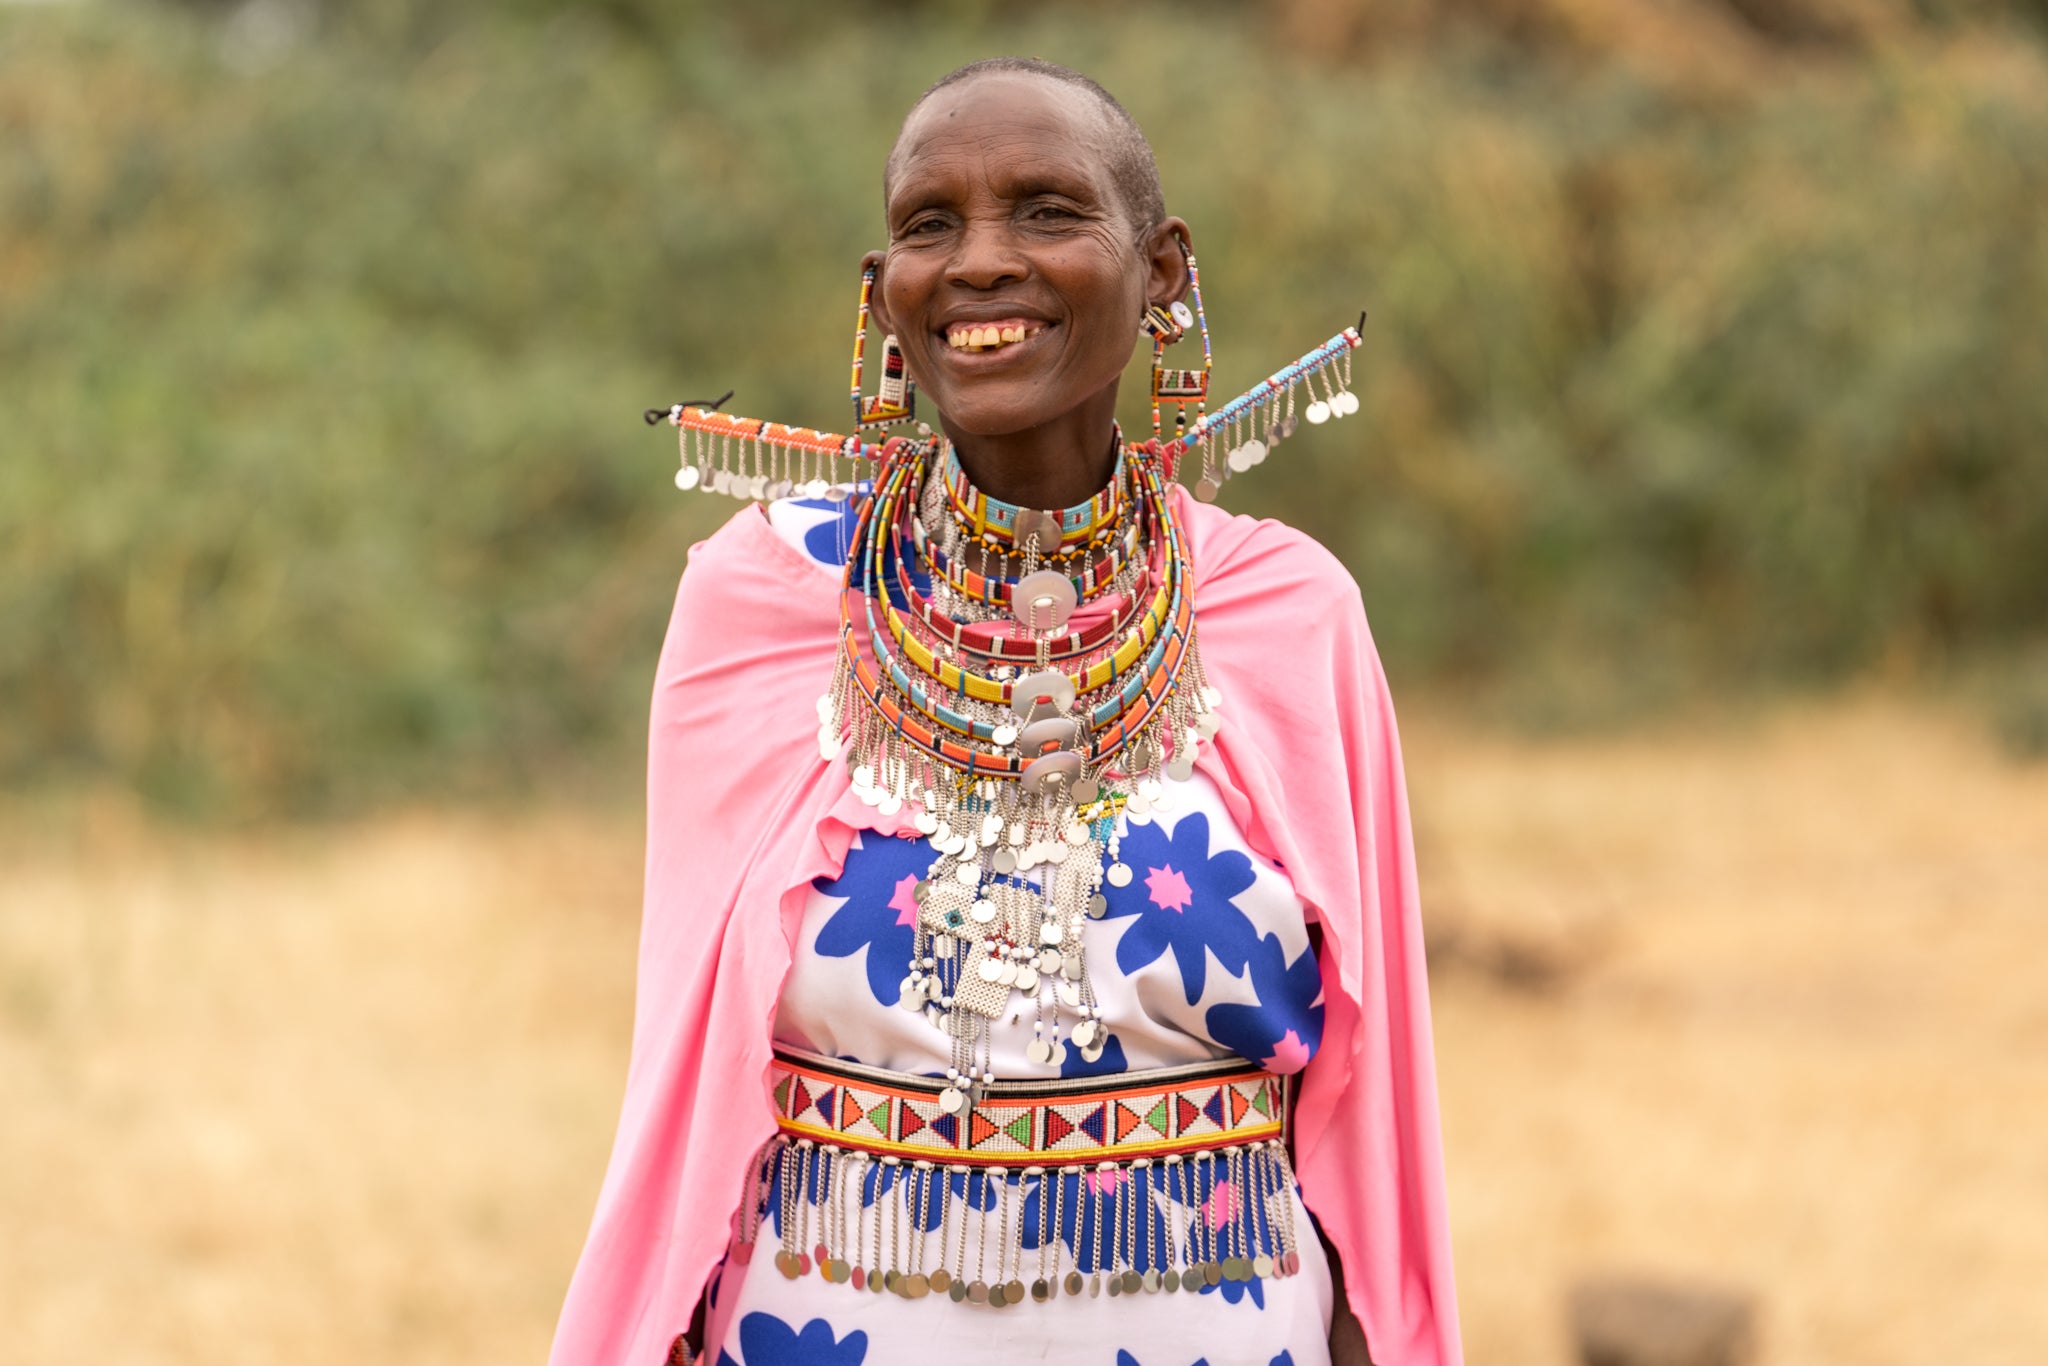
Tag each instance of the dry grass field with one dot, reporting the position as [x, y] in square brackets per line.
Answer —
[1760, 1005]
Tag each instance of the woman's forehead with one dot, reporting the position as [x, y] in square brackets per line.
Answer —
[1026, 128]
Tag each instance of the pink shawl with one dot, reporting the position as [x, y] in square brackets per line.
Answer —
[742, 814]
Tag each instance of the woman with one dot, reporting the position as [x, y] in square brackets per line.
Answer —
[1006, 995]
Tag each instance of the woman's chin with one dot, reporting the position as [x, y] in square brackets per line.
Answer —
[993, 410]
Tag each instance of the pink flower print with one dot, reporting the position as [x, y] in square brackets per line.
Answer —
[904, 901]
[1290, 1054]
[1221, 1206]
[1169, 889]
[1103, 1183]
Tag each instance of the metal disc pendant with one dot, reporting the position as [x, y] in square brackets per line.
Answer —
[1027, 978]
[1182, 314]
[1004, 861]
[957, 1291]
[1181, 767]
[1059, 1053]
[997, 1297]
[1133, 1282]
[1098, 906]
[977, 1291]
[1040, 1290]
[1053, 733]
[1070, 993]
[838, 1272]
[1039, 1052]
[1116, 1285]
[1044, 600]
[1318, 413]
[1084, 1033]
[1056, 769]
[1212, 1272]
[952, 1100]
[1239, 461]
[1047, 685]
[1262, 1266]
[1092, 1054]
[1030, 522]
[1254, 452]
[1074, 1282]
[913, 1286]
[1119, 876]
[1013, 1293]
[686, 478]
[1087, 791]
[991, 970]
[1206, 490]
[1170, 1282]
[942, 1281]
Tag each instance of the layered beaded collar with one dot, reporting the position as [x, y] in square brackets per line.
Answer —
[1007, 526]
[1017, 733]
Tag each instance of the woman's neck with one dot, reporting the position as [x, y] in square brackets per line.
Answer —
[1066, 461]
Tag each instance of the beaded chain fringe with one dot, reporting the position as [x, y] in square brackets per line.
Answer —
[916, 1228]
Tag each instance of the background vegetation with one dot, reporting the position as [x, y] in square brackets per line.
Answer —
[1706, 351]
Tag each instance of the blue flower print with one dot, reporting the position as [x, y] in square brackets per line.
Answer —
[1181, 900]
[828, 541]
[767, 1341]
[974, 1190]
[1126, 1359]
[1086, 1203]
[1110, 1063]
[1281, 1032]
[1234, 1291]
[880, 914]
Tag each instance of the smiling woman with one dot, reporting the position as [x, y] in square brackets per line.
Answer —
[1043, 990]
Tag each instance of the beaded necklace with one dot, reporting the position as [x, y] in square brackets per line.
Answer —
[1014, 765]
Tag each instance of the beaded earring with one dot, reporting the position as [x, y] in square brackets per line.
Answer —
[897, 401]
[1166, 325]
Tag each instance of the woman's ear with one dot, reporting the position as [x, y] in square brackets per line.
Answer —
[1167, 249]
[873, 261]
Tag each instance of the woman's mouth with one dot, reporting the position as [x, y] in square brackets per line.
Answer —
[993, 334]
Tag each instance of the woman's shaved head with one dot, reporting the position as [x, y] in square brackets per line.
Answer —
[1128, 154]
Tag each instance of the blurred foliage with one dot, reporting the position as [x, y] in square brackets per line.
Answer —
[1705, 349]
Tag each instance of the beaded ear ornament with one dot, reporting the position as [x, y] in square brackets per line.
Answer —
[1025, 681]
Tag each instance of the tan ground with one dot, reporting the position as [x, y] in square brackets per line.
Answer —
[1761, 1006]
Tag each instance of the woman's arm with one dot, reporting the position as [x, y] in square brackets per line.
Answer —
[1347, 1335]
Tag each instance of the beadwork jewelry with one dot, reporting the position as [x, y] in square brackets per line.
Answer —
[1179, 387]
[897, 400]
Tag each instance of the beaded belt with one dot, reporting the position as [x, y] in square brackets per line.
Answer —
[1176, 1179]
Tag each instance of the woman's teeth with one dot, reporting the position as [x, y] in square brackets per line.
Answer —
[970, 338]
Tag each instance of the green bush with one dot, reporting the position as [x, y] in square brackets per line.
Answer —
[322, 349]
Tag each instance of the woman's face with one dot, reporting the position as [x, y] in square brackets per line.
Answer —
[1015, 277]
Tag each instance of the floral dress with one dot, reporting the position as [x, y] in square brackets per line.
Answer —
[1205, 954]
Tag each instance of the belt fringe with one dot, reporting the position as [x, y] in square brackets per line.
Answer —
[1212, 1210]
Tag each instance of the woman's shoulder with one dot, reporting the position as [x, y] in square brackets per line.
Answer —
[1259, 558]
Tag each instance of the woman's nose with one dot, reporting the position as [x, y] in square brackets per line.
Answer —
[987, 256]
